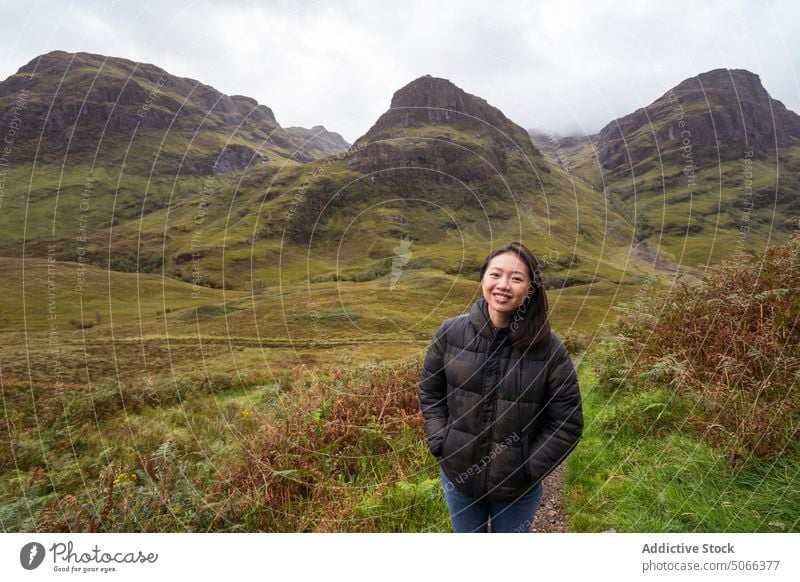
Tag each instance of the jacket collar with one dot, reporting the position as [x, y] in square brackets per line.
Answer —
[480, 320]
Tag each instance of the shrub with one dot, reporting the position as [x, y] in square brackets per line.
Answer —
[337, 431]
[730, 345]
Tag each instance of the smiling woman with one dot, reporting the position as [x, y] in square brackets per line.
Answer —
[500, 399]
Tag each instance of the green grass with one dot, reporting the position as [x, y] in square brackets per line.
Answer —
[179, 458]
[154, 462]
[93, 294]
[641, 468]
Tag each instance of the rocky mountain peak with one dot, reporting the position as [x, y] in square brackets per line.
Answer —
[741, 82]
[78, 101]
[434, 123]
[432, 93]
[432, 100]
[722, 112]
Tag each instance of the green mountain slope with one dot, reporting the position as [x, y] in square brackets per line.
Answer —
[123, 139]
[442, 172]
[709, 169]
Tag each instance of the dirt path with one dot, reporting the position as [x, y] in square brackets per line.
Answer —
[551, 517]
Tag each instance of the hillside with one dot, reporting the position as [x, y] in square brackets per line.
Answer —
[242, 206]
[101, 141]
[709, 169]
[81, 103]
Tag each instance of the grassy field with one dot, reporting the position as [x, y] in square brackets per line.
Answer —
[139, 407]
[124, 327]
[294, 408]
[342, 450]
[185, 456]
[641, 467]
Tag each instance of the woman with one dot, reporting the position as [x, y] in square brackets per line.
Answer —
[500, 398]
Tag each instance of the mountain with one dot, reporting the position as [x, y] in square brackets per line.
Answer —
[319, 140]
[103, 141]
[442, 176]
[710, 168]
[434, 124]
[113, 109]
[156, 173]
[723, 111]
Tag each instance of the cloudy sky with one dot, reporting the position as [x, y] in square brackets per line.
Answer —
[562, 66]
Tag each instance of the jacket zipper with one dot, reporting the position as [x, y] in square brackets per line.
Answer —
[493, 419]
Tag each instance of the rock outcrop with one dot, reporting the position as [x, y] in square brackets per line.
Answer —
[724, 110]
[81, 102]
[435, 125]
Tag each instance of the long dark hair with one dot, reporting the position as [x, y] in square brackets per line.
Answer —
[530, 325]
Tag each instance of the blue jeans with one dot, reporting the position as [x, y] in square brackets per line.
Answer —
[469, 516]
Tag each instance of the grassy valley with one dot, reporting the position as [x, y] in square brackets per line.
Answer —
[210, 322]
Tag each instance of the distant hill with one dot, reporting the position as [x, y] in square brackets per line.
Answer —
[710, 168]
[721, 112]
[105, 141]
[107, 109]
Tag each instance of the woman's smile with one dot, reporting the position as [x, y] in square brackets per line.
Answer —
[502, 297]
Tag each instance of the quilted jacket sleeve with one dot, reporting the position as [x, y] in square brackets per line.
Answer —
[562, 424]
[433, 392]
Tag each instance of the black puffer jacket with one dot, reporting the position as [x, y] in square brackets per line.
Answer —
[498, 418]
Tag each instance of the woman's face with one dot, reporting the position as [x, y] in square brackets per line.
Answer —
[505, 286]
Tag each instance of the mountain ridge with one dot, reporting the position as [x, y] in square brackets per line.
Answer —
[433, 122]
[81, 98]
[720, 107]
[709, 168]
[439, 163]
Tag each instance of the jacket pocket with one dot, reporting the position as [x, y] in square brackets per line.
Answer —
[440, 452]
